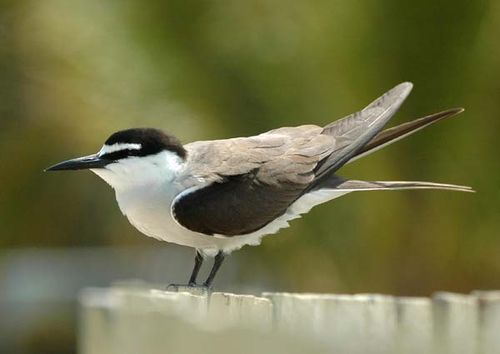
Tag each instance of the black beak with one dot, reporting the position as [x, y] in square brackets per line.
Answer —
[81, 163]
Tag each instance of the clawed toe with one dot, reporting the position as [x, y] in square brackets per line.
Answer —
[191, 287]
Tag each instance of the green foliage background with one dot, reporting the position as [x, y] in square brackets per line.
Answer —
[72, 72]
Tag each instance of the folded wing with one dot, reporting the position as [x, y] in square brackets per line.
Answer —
[249, 182]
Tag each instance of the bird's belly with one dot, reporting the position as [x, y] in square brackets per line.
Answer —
[164, 228]
[154, 219]
[152, 216]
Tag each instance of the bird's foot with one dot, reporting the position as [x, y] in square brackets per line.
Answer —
[195, 289]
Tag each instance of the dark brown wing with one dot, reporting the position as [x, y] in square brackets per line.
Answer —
[249, 182]
[236, 206]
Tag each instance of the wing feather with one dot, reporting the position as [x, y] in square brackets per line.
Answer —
[354, 131]
[251, 181]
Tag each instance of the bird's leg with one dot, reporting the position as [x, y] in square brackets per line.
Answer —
[219, 258]
[198, 261]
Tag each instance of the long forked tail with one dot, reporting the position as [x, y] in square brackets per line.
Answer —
[391, 135]
[335, 187]
[354, 185]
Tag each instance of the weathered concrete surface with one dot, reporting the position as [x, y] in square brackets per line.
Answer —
[128, 319]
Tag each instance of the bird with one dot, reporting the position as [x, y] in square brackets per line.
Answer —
[217, 196]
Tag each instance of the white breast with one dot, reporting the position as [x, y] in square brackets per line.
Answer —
[149, 210]
[145, 188]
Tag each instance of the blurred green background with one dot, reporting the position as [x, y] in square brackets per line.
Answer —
[72, 72]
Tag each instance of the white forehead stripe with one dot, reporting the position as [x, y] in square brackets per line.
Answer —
[107, 149]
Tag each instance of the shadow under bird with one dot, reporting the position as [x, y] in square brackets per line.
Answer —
[217, 196]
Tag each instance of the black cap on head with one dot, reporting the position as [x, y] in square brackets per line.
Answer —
[152, 141]
[141, 142]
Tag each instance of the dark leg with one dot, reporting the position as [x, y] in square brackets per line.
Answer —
[219, 258]
[198, 260]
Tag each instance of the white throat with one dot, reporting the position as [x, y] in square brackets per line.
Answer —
[145, 187]
[141, 171]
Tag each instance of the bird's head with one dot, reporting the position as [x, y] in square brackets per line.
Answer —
[132, 157]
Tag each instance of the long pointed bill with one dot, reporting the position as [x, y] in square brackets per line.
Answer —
[81, 163]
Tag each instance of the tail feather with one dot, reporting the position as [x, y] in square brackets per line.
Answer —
[399, 132]
[354, 185]
[335, 187]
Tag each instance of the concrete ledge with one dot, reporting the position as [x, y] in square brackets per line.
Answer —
[141, 320]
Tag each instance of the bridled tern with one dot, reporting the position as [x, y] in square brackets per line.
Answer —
[217, 196]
